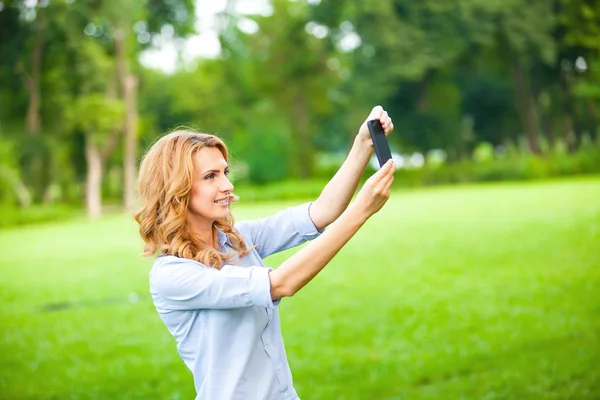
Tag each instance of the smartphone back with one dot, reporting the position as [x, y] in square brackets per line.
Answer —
[380, 142]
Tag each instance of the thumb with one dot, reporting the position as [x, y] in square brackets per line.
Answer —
[388, 167]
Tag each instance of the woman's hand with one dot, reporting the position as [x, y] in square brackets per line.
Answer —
[376, 190]
[294, 273]
[386, 122]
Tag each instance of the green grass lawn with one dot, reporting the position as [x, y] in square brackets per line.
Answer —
[472, 292]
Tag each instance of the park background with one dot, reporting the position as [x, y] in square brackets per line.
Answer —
[478, 280]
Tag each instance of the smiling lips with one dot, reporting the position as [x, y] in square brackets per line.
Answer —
[224, 200]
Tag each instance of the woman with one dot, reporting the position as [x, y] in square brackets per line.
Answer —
[209, 283]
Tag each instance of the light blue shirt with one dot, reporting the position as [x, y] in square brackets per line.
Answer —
[224, 321]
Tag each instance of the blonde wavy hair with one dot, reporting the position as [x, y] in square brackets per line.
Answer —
[165, 183]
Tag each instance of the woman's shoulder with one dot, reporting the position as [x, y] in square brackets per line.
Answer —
[244, 229]
[165, 261]
[172, 270]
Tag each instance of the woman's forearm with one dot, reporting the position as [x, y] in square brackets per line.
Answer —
[338, 192]
[299, 269]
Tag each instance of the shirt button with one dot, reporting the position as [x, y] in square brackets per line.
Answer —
[286, 395]
[267, 342]
[279, 368]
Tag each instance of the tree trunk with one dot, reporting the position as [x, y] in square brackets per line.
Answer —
[131, 128]
[595, 120]
[129, 84]
[22, 194]
[121, 57]
[550, 131]
[31, 81]
[568, 133]
[526, 105]
[96, 158]
[93, 184]
[570, 136]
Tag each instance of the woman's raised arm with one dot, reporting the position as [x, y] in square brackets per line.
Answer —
[294, 273]
[338, 192]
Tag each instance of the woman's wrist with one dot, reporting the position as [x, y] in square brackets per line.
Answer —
[362, 147]
[357, 213]
[363, 142]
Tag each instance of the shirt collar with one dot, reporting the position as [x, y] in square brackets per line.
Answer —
[222, 238]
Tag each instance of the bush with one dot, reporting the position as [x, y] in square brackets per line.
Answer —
[11, 215]
[513, 167]
[286, 190]
[509, 168]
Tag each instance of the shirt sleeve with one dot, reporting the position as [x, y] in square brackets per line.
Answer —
[181, 284]
[284, 230]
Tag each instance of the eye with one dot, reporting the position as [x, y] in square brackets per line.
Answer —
[226, 172]
[209, 176]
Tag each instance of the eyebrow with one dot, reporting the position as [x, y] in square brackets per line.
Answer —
[215, 170]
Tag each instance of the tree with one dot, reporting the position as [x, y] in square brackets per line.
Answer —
[413, 51]
[100, 118]
[579, 61]
[283, 79]
[152, 16]
[43, 41]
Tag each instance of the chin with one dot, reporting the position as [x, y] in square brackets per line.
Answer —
[222, 215]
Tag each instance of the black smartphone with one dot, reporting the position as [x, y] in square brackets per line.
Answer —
[380, 143]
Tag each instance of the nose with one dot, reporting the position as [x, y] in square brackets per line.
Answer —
[226, 185]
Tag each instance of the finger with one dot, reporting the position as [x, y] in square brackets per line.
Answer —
[381, 173]
[384, 117]
[388, 128]
[390, 173]
[388, 166]
[386, 190]
[388, 184]
[387, 169]
[385, 183]
[376, 112]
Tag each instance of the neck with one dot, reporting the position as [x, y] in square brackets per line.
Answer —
[201, 228]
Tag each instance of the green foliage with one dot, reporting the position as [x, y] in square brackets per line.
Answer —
[176, 13]
[527, 28]
[97, 116]
[484, 152]
[453, 75]
[581, 21]
[12, 216]
[590, 87]
[265, 156]
[59, 60]
[281, 191]
[266, 146]
[9, 171]
[285, 70]
[509, 168]
[471, 292]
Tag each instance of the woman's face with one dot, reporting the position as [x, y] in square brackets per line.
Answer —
[209, 198]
